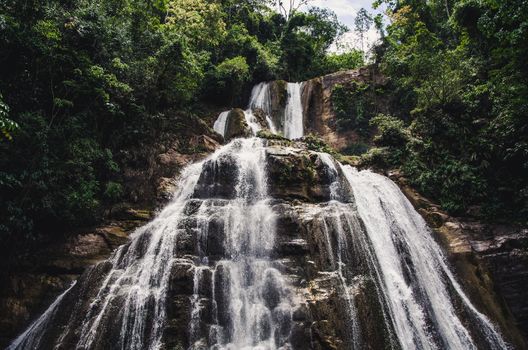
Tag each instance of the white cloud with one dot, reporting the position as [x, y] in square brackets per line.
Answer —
[346, 11]
[342, 8]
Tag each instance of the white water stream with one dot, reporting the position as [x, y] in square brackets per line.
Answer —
[290, 127]
[402, 244]
[293, 113]
[252, 303]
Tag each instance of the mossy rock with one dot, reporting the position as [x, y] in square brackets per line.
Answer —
[268, 135]
[236, 125]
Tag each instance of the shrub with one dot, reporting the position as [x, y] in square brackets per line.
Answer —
[391, 131]
[352, 107]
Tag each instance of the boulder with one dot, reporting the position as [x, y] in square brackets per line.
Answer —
[319, 116]
[203, 143]
[236, 125]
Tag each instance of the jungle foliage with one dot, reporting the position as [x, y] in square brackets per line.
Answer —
[458, 70]
[83, 81]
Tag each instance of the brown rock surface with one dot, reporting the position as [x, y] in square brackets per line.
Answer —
[31, 287]
[491, 261]
[319, 117]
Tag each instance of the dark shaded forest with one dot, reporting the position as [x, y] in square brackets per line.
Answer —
[83, 81]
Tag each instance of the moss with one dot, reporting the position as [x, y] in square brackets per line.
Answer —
[286, 173]
[377, 157]
[309, 173]
[282, 92]
[268, 135]
[317, 144]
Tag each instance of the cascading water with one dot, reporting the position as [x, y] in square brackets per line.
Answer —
[221, 122]
[261, 98]
[414, 276]
[292, 124]
[253, 297]
[223, 268]
[293, 114]
[30, 339]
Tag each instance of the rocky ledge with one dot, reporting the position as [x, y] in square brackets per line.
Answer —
[491, 261]
[31, 286]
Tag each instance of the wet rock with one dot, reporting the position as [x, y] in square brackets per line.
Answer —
[218, 178]
[166, 188]
[260, 116]
[294, 175]
[317, 104]
[181, 277]
[204, 143]
[236, 125]
[278, 99]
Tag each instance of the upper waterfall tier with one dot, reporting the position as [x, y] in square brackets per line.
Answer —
[271, 247]
[274, 106]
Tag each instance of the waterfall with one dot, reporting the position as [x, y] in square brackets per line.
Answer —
[261, 97]
[253, 301]
[221, 122]
[223, 267]
[402, 245]
[30, 339]
[293, 114]
[256, 301]
[292, 123]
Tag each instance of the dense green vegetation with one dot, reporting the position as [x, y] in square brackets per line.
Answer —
[459, 74]
[82, 82]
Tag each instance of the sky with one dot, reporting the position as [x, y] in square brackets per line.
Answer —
[346, 12]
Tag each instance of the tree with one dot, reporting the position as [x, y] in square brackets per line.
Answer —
[362, 24]
[459, 75]
[305, 42]
[7, 126]
[229, 77]
[292, 7]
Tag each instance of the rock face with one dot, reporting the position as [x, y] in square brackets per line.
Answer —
[319, 117]
[149, 167]
[30, 288]
[278, 99]
[267, 244]
[491, 260]
[236, 125]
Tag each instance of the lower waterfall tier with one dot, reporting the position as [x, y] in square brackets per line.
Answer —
[266, 246]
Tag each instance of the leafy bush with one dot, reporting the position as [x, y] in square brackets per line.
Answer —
[454, 184]
[391, 131]
[229, 77]
[356, 149]
[352, 107]
[7, 126]
[376, 157]
[334, 62]
[317, 144]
